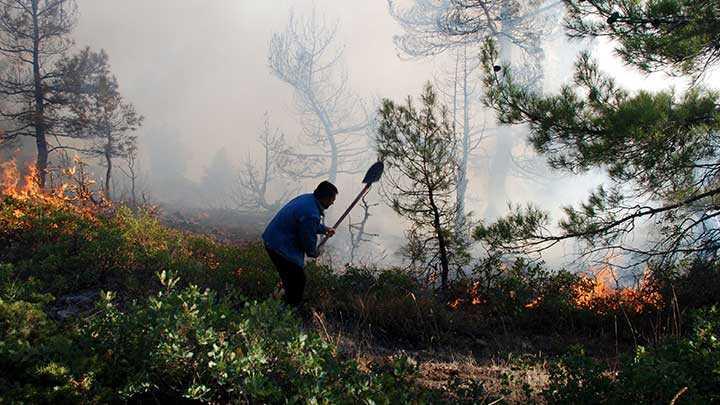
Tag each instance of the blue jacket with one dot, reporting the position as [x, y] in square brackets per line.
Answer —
[293, 231]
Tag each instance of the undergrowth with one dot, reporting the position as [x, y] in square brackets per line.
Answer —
[181, 316]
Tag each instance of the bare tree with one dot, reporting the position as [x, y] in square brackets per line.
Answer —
[433, 27]
[256, 179]
[306, 57]
[132, 172]
[460, 88]
[34, 35]
[358, 233]
[100, 113]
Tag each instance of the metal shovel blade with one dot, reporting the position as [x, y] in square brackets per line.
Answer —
[374, 173]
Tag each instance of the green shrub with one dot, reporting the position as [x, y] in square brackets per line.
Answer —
[67, 249]
[34, 356]
[577, 379]
[689, 366]
[186, 343]
[386, 304]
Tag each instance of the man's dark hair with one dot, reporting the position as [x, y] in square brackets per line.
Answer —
[325, 190]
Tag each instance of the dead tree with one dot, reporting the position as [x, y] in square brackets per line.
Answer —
[333, 118]
[358, 233]
[132, 172]
[99, 112]
[256, 178]
[459, 86]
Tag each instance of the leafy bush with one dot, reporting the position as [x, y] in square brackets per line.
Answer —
[166, 340]
[66, 249]
[186, 343]
[388, 304]
[34, 354]
[687, 367]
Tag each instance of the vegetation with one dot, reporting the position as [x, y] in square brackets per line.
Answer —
[51, 95]
[419, 146]
[180, 316]
[677, 369]
[659, 148]
[178, 320]
[101, 303]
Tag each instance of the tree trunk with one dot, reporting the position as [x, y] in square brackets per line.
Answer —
[108, 173]
[356, 240]
[330, 136]
[442, 244]
[132, 187]
[462, 181]
[39, 118]
[501, 160]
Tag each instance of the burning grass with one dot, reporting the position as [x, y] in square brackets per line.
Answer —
[73, 191]
[595, 291]
[598, 292]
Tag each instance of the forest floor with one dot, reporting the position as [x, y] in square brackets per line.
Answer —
[508, 369]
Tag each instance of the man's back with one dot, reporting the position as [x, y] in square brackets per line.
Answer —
[293, 231]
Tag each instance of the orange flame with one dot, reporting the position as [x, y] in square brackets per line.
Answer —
[26, 187]
[455, 304]
[12, 184]
[603, 295]
[535, 302]
[10, 178]
[599, 283]
[474, 298]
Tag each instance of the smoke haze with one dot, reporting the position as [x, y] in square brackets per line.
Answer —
[198, 71]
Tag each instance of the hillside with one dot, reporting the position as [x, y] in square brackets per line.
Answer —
[101, 303]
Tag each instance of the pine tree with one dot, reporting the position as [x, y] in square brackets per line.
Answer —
[419, 147]
[99, 113]
[34, 39]
[660, 149]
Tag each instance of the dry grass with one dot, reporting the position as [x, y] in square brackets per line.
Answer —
[506, 378]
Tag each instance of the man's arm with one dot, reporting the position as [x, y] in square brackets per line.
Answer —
[309, 226]
[325, 230]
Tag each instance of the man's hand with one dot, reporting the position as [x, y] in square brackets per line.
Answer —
[330, 232]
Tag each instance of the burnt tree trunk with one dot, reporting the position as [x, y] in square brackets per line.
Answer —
[39, 116]
[108, 172]
[442, 243]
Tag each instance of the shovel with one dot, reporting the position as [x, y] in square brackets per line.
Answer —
[373, 175]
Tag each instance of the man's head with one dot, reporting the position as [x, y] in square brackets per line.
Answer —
[325, 192]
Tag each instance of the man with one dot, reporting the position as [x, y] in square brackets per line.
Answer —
[292, 234]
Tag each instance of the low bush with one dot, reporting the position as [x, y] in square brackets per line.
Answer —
[209, 334]
[388, 305]
[186, 343]
[684, 368]
[35, 354]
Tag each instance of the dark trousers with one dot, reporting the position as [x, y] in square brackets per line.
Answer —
[292, 276]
